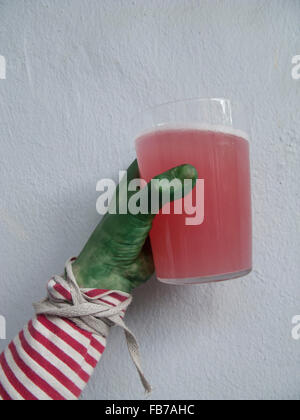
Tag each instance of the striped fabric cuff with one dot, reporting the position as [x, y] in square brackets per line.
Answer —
[52, 358]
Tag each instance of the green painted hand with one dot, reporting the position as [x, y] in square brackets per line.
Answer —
[118, 255]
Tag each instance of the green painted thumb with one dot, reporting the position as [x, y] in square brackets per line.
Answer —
[167, 187]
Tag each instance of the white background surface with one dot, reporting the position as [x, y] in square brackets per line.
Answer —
[77, 73]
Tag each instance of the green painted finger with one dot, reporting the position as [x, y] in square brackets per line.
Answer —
[171, 185]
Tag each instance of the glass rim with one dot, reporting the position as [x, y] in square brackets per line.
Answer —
[144, 120]
[184, 101]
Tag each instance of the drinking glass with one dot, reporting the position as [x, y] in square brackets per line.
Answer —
[211, 134]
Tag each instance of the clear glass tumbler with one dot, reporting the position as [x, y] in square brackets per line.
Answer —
[211, 134]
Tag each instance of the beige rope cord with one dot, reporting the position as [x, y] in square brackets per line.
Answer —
[92, 315]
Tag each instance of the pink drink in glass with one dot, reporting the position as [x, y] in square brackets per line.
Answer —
[221, 247]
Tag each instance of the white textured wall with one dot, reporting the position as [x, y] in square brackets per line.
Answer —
[77, 72]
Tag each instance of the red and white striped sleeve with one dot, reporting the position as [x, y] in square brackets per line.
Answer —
[52, 358]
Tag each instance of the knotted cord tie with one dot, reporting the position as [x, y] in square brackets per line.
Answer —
[91, 314]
